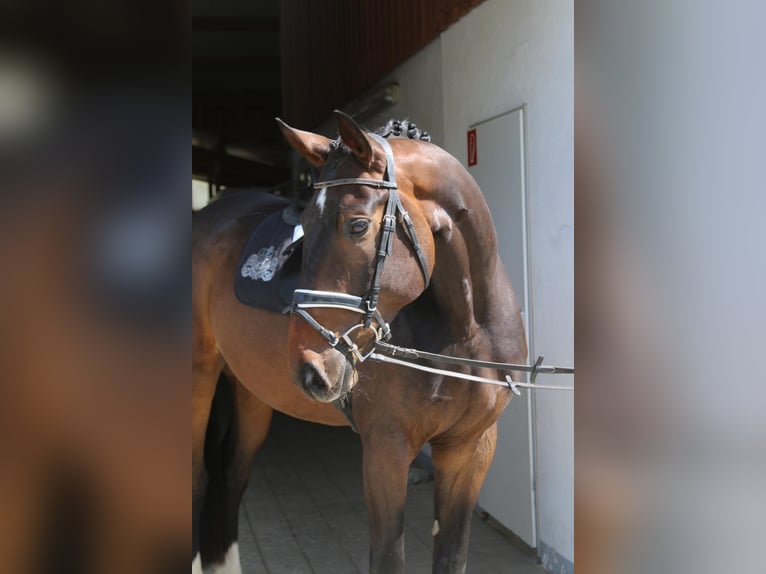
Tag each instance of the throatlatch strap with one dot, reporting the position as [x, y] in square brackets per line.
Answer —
[387, 234]
[391, 173]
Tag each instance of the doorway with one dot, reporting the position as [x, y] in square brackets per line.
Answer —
[496, 159]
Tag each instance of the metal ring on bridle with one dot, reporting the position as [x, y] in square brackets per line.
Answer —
[353, 348]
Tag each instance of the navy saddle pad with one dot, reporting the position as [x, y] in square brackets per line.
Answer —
[270, 266]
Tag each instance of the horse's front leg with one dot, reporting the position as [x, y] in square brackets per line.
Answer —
[386, 460]
[460, 471]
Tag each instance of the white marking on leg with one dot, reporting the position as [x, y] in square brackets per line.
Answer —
[230, 564]
[435, 529]
[197, 565]
[321, 198]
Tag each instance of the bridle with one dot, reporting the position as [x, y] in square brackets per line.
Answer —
[380, 350]
[306, 299]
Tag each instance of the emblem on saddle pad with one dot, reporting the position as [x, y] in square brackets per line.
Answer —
[263, 265]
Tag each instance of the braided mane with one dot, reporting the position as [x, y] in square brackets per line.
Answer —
[393, 128]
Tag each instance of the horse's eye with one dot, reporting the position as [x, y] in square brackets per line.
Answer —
[359, 227]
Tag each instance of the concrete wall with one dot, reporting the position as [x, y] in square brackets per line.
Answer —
[503, 54]
[420, 82]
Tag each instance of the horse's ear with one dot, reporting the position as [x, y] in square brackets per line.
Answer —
[314, 147]
[355, 138]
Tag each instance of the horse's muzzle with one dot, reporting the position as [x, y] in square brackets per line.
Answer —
[325, 377]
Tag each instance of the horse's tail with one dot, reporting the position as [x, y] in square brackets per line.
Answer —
[220, 439]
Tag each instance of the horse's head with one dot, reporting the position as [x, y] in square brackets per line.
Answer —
[367, 252]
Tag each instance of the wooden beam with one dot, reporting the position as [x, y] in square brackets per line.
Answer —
[235, 171]
[235, 63]
[229, 24]
[267, 99]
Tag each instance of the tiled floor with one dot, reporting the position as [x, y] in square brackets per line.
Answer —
[304, 511]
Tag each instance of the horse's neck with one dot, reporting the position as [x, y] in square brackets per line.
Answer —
[465, 281]
[458, 292]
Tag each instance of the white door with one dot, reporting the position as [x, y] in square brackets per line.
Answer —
[496, 150]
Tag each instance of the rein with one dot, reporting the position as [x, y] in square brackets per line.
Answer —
[380, 350]
[388, 353]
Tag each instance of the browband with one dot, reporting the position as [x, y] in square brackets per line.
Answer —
[357, 181]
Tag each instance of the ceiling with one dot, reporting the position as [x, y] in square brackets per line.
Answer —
[253, 60]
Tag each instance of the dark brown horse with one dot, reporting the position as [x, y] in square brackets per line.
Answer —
[435, 276]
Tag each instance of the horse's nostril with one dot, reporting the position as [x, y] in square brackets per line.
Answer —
[311, 379]
[307, 375]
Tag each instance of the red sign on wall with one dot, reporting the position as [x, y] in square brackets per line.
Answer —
[473, 156]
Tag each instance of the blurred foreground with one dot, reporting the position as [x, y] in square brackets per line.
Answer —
[94, 401]
[670, 281]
